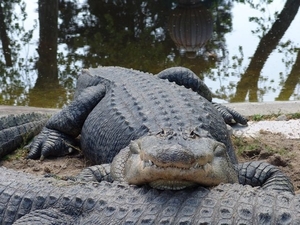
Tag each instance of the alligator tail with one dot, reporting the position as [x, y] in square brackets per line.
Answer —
[16, 130]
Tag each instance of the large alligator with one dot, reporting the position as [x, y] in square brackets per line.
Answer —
[157, 132]
[25, 199]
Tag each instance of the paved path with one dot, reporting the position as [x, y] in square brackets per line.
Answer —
[290, 129]
[5, 110]
[266, 108]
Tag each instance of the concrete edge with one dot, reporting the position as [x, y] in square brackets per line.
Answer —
[265, 108]
[244, 108]
[6, 110]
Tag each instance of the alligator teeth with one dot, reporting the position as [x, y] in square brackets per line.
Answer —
[198, 166]
[206, 167]
[148, 163]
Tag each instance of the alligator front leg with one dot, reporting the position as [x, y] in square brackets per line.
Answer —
[58, 136]
[185, 77]
[265, 175]
[96, 173]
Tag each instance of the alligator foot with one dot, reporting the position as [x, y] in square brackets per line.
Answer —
[230, 116]
[263, 174]
[95, 173]
[50, 143]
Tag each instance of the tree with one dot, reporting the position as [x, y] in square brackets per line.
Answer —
[249, 80]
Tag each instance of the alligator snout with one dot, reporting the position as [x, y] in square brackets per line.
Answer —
[176, 153]
[176, 156]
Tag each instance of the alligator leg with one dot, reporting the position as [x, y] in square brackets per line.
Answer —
[58, 136]
[96, 173]
[185, 77]
[265, 175]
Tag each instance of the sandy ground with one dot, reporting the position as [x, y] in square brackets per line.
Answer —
[273, 147]
[277, 142]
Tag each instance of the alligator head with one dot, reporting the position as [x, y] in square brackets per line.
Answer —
[171, 161]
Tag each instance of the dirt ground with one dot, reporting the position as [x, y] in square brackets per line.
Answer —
[273, 148]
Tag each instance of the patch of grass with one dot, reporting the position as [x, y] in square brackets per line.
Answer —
[15, 155]
[254, 147]
[257, 117]
[21, 152]
[273, 116]
[294, 115]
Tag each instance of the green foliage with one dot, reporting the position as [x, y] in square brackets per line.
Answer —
[13, 88]
[257, 117]
[125, 33]
[273, 116]
[20, 153]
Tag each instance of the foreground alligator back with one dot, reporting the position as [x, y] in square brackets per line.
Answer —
[25, 199]
[16, 130]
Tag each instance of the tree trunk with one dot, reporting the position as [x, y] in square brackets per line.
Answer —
[47, 49]
[249, 80]
[4, 39]
[291, 82]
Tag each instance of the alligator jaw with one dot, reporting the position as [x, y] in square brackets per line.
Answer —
[169, 165]
[171, 177]
[171, 184]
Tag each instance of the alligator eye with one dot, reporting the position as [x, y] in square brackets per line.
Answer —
[219, 150]
[162, 132]
[194, 134]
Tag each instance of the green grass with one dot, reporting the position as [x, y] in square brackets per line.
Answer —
[20, 153]
[273, 116]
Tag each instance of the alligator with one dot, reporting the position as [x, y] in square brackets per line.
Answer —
[159, 130]
[27, 199]
[170, 136]
[163, 131]
[19, 129]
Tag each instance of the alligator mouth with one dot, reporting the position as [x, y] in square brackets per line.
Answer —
[171, 184]
[172, 176]
[169, 176]
[176, 165]
[149, 163]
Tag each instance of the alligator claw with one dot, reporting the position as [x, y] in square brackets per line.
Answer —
[50, 143]
[230, 116]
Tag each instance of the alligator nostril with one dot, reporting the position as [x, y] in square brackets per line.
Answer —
[175, 155]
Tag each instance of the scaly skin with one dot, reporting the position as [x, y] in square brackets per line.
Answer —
[16, 130]
[25, 199]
